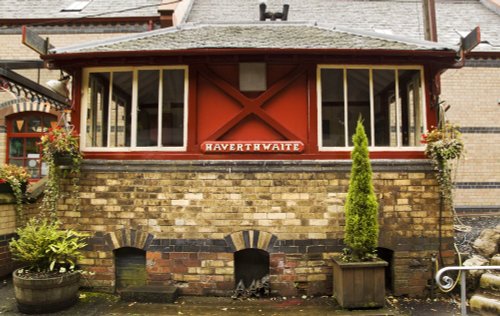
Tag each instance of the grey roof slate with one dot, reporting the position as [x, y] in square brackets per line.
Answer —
[49, 9]
[401, 17]
[254, 35]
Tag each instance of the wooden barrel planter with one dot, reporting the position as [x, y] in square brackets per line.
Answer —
[359, 284]
[35, 296]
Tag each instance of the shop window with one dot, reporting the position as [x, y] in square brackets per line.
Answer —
[388, 99]
[23, 135]
[136, 108]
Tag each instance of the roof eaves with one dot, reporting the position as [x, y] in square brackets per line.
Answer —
[125, 38]
[394, 38]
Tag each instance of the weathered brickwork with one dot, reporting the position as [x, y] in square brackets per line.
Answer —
[474, 96]
[191, 217]
[7, 228]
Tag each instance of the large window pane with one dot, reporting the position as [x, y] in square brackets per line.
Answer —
[97, 109]
[358, 101]
[384, 89]
[332, 107]
[411, 114]
[391, 97]
[173, 108]
[147, 108]
[120, 110]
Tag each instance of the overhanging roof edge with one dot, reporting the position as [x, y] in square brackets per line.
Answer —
[22, 83]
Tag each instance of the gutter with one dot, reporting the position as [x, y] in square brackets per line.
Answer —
[51, 58]
[79, 20]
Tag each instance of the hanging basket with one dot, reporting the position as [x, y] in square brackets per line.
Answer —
[6, 188]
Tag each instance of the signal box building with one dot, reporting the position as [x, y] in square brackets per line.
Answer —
[219, 152]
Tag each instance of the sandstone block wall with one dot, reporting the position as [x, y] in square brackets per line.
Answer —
[474, 95]
[192, 216]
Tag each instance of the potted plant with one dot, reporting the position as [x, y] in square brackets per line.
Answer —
[60, 150]
[49, 280]
[14, 179]
[358, 275]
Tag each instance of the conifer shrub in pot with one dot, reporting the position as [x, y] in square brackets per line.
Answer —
[358, 275]
[49, 280]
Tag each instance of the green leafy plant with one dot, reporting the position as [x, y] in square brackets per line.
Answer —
[60, 143]
[361, 208]
[44, 247]
[443, 144]
[17, 177]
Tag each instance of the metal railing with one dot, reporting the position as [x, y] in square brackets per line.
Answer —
[448, 282]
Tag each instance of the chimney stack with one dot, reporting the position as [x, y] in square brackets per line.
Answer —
[430, 26]
[166, 11]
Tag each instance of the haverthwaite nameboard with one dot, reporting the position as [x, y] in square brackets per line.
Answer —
[289, 147]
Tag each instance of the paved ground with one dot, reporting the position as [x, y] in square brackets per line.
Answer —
[97, 304]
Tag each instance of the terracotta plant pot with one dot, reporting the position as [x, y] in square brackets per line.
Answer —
[359, 284]
[35, 296]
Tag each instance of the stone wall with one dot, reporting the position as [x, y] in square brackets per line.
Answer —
[191, 216]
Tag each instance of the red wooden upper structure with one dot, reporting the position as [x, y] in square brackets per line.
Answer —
[252, 91]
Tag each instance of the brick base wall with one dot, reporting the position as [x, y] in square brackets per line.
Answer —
[7, 229]
[6, 265]
[192, 216]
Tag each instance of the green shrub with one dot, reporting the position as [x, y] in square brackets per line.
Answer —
[44, 247]
[361, 232]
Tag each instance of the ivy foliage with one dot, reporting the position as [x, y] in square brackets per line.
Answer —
[60, 143]
[361, 208]
[17, 177]
[44, 247]
[443, 145]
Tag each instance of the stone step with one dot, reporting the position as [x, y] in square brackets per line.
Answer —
[490, 281]
[150, 294]
[485, 304]
[495, 261]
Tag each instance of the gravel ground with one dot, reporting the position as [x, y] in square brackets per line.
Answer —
[475, 225]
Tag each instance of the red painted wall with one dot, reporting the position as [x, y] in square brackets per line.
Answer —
[286, 111]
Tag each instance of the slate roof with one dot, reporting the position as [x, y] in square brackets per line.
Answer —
[401, 17]
[48, 9]
[261, 35]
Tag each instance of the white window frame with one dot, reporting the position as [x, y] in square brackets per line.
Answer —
[370, 68]
[133, 137]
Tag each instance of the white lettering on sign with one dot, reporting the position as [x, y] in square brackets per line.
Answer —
[292, 147]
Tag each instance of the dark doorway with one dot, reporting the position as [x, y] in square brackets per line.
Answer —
[250, 265]
[387, 255]
[130, 266]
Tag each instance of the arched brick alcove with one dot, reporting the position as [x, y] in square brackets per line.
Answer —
[251, 239]
[129, 238]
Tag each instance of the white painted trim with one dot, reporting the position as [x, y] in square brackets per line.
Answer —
[133, 116]
[160, 109]
[110, 103]
[398, 110]
[372, 109]
[346, 112]
[319, 106]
